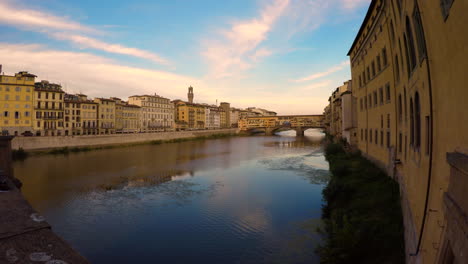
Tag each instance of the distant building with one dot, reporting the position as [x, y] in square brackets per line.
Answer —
[89, 112]
[16, 102]
[189, 115]
[190, 94]
[106, 115]
[157, 112]
[72, 114]
[49, 110]
[226, 115]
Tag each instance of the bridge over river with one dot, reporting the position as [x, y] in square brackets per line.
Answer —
[272, 124]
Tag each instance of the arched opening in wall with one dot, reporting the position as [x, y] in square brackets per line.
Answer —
[411, 123]
[417, 117]
[412, 51]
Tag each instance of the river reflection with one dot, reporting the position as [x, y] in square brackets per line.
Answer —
[234, 200]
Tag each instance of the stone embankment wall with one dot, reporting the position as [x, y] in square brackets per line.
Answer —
[42, 143]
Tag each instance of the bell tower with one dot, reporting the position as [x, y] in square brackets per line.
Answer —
[190, 94]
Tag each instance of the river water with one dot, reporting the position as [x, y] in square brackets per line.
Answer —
[233, 200]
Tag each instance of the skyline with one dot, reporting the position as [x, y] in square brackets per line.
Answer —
[227, 52]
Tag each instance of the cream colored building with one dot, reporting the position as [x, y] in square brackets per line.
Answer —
[49, 109]
[16, 103]
[106, 115]
[157, 113]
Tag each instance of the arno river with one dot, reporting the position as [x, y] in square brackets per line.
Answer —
[234, 200]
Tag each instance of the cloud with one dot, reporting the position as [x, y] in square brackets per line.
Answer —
[237, 47]
[38, 20]
[87, 42]
[318, 75]
[64, 29]
[94, 75]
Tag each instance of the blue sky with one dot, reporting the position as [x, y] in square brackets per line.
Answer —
[283, 55]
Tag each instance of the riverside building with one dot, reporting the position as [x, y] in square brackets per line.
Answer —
[48, 108]
[157, 113]
[89, 111]
[16, 103]
[408, 66]
[105, 115]
[72, 113]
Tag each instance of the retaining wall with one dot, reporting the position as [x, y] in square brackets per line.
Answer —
[41, 143]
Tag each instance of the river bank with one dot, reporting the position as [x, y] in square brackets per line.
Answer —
[362, 215]
[23, 146]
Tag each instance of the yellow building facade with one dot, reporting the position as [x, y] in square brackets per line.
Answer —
[72, 115]
[105, 115]
[189, 115]
[16, 103]
[408, 65]
[89, 111]
[48, 109]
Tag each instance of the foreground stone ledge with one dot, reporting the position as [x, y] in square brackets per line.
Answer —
[25, 236]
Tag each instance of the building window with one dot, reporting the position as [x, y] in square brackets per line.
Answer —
[397, 68]
[47, 95]
[418, 27]
[406, 105]
[373, 69]
[411, 123]
[365, 102]
[411, 49]
[381, 121]
[400, 110]
[400, 143]
[376, 137]
[381, 96]
[362, 135]
[417, 120]
[5, 114]
[39, 95]
[18, 89]
[445, 6]
[381, 138]
[368, 74]
[384, 56]
[387, 92]
[428, 135]
[375, 98]
[392, 31]
[370, 136]
[379, 65]
[17, 115]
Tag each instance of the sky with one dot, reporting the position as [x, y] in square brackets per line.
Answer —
[282, 55]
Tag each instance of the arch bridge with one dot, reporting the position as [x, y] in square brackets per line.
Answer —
[272, 124]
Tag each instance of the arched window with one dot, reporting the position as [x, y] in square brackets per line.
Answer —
[412, 51]
[411, 123]
[417, 120]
